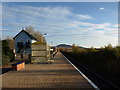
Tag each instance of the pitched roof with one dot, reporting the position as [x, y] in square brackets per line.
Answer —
[31, 36]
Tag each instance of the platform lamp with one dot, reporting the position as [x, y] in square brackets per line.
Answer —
[45, 35]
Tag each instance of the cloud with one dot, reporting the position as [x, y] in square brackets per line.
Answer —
[101, 8]
[84, 16]
[29, 13]
[3, 29]
[60, 23]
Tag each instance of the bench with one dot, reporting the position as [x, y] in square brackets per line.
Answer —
[18, 66]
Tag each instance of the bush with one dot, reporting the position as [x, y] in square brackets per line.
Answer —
[5, 59]
[117, 52]
[7, 54]
[106, 58]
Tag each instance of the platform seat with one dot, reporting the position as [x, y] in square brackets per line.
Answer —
[18, 66]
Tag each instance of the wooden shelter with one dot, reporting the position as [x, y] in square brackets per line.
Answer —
[40, 52]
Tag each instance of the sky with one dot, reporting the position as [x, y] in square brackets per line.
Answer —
[83, 23]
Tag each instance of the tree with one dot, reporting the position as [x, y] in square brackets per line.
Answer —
[92, 49]
[109, 47]
[117, 52]
[36, 34]
[6, 51]
[10, 42]
[75, 48]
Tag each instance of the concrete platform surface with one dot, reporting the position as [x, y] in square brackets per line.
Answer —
[58, 75]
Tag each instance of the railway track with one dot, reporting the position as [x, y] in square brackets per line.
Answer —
[101, 82]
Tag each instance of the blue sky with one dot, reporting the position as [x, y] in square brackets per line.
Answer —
[83, 23]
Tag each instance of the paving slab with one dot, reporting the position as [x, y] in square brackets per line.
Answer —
[58, 75]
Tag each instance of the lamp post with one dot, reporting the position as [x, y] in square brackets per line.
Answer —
[45, 33]
[44, 37]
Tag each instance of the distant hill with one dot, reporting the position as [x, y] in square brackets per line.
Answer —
[64, 46]
[67, 46]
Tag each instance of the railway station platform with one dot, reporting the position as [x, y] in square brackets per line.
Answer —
[60, 75]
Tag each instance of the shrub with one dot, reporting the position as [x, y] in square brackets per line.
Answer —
[106, 58]
[117, 52]
[7, 54]
[5, 59]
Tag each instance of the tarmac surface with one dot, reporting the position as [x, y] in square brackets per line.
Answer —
[58, 75]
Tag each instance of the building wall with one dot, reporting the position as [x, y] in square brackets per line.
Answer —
[24, 37]
[26, 57]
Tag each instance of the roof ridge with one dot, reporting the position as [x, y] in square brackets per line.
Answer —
[30, 35]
